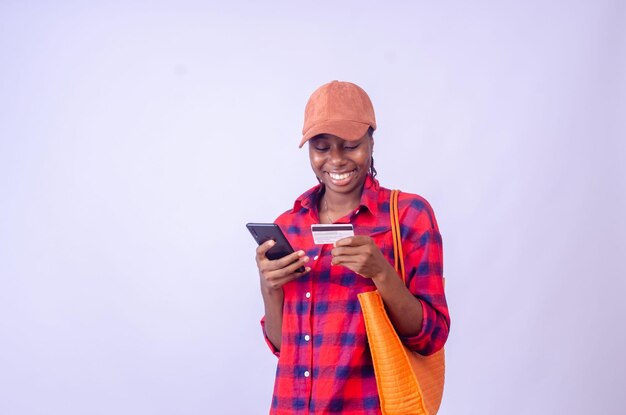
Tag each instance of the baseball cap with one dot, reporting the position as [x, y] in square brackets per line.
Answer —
[339, 108]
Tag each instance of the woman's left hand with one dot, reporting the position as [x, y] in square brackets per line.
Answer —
[361, 255]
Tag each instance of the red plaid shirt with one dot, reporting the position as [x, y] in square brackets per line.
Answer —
[324, 365]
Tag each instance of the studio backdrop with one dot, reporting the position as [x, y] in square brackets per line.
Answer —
[137, 139]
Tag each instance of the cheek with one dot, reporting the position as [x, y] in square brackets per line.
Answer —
[316, 163]
[317, 159]
[364, 159]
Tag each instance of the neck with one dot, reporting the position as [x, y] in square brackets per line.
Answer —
[339, 202]
[337, 205]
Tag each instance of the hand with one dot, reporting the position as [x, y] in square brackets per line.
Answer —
[276, 273]
[361, 255]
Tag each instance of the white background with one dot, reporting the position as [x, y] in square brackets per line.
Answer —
[137, 139]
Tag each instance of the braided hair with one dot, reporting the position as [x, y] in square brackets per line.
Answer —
[372, 171]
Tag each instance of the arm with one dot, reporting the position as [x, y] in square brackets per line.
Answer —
[362, 256]
[403, 308]
[418, 312]
[273, 275]
[272, 321]
[423, 267]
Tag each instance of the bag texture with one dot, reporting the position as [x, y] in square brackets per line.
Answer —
[408, 383]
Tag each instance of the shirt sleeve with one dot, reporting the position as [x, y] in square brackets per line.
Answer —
[273, 349]
[283, 221]
[423, 261]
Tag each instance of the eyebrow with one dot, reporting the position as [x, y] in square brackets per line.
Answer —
[321, 137]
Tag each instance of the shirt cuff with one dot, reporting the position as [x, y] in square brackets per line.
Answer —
[420, 342]
[273, 349]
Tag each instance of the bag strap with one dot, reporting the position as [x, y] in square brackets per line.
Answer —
[398, 254]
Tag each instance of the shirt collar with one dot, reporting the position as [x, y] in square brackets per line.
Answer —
[370, 196]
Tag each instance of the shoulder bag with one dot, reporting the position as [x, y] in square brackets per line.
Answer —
[408, 383]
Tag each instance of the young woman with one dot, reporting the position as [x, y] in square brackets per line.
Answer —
[313, 321]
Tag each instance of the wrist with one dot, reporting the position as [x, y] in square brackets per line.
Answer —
[383, 276]
[273, 294]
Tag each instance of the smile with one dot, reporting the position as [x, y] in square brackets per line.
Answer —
[341, 176]
[341, 179]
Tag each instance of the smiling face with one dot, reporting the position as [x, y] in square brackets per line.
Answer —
[341, 165]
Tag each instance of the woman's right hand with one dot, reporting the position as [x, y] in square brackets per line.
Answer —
[276, 273]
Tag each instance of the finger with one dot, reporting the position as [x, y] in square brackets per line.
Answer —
[346, 250]
[289, 259]
[278, 278]
[283, 265]
[344, 241]
[264, 247]
[354, 241]
[362, 240]
[292, 267]
[278, 263]
[354, 266]
[345, 260]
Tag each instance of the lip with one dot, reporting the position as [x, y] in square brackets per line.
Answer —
[341, 178]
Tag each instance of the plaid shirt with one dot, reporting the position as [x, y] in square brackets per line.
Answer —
[324, 365]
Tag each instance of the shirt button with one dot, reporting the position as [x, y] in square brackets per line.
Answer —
[307, 295]
[307, 337]
[306, 374]
[315, 257]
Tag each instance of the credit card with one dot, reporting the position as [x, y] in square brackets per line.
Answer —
[331, 233]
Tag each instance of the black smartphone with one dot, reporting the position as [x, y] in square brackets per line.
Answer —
[262, 232]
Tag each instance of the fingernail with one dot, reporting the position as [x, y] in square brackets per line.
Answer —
[300, 253]
[305, 259]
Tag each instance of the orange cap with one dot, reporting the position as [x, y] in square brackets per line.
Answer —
[339, 108]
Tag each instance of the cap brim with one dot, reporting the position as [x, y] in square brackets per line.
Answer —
[347, 130]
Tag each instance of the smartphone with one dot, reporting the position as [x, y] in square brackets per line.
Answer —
[262, 232]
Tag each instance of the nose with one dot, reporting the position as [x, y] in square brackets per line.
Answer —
[336, 156]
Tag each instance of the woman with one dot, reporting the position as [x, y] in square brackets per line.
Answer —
[313, 320]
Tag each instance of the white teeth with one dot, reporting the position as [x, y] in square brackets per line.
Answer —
[337, 176]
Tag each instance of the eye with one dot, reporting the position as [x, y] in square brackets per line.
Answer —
[350, 148]
[321, 149]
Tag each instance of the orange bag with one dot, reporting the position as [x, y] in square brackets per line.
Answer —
[408, 383]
